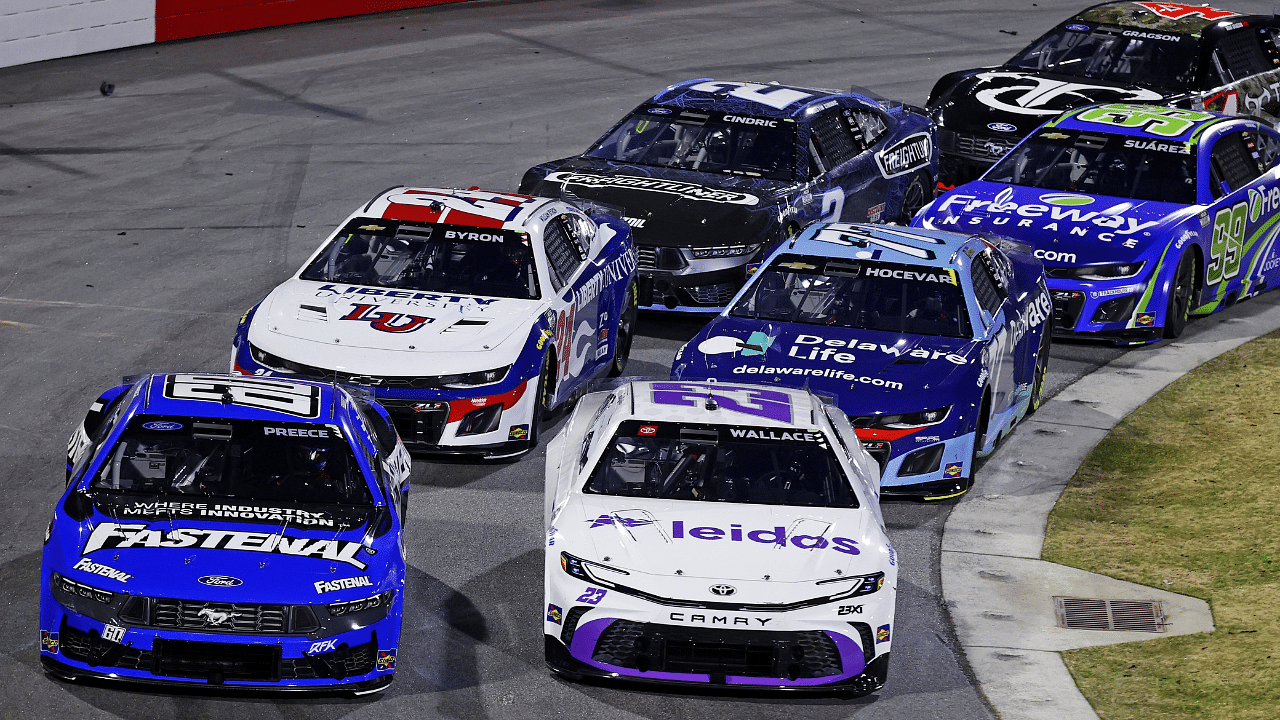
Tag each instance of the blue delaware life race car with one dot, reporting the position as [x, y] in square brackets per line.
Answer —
[934, 344]
[231, 531]
[1142, 215]
[711, 175]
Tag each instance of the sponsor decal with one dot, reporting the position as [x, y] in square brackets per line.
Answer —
[1066, 199]
[323, 646]
[658, 111]
[647, 430]
[383, 321]
[772, 434]
[1056, 256]
[831, 350]
[220, 581]
[723, 590]
[49, 642]
[1023, 94]
[849, 610]
[874, 213]
[776, 536]
[635, 222]
[297, 432]
[1077, 27]
[347, 583]
[1263, 201]
[759, 402]
[592, 596]
[472, 236]
[744, 120]
[224, 511]
[480, 402]
[555, 614]
[756, 344]
[283, 396]
[893, 555]
[1106, 224]
[953, 470]
[927, 438]
[1157, 146]
[161, 425]
[387, 659]
[774, 96]
[113, 633]
[688, 191]
[217, 618]
[882, 634]
[1095, 294]
[717, 619]
[428, 299]
[542, 339]
[906, 155]
[105, 571]
[518, 432]
[1175, 11]
[1002, 127]
[1165, 122]
[817, 372]
[619, 269]
[623, 521]
[946, 275]
[797, 265]
[1151, 36]
[1145, 320]
[111, 535]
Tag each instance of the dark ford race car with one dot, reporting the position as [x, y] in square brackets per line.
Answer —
[934, 344]
[711, 175]
[1190, 56]
[223, 530]
[467, 314]
[1141, 214]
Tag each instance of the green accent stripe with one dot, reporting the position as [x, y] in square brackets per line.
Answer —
[1247, 280]
[1151, 286]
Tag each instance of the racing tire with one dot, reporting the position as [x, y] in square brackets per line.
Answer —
[914, 197]
[542, 399]
[1042, 369]
[1180, 289]
[624, 333]
[980, 431]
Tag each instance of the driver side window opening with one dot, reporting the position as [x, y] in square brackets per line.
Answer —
[1235, 161]
[985, 288]
[833, 139]
[1239, 55]
[563, 254]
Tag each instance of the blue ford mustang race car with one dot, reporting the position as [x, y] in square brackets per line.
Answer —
[1142, 215]
[711, 175]
[224, 530]
[934, 344]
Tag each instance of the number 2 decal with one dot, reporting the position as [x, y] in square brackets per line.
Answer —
[832, 205]
[1228, 240]
[592, 596]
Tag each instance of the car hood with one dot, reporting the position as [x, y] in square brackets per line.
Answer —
[265, 555]
[1087, 229]
[672, 207]
[658, 539]
[1004, 101]
[382, 331]
[865, 370]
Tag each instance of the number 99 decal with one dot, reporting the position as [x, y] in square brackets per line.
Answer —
[1228, 240]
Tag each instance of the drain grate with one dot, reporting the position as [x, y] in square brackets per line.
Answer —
[1096, 614]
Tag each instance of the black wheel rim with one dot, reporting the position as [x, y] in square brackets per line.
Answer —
[913, 199]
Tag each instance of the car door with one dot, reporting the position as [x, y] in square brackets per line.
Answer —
[992, 296]
[567, 242]
[845, 178]
[1234, 171]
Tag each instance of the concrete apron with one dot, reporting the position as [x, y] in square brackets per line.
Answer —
[999, 593]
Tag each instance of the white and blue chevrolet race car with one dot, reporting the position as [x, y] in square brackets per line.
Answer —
[228, 531]
[716, 534]
[467, 314]
[1142, 215]
[934, 344]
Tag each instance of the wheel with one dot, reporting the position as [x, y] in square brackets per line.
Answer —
[914, 198]
[1184, 279]
[545, 395]
[626, 328]
[1042, 367]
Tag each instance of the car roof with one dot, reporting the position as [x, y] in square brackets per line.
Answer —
[1163, 17]
[770, 100]
[273, 399]
[451, 206]
[1184, 125]
[643, 400]
[882, 243]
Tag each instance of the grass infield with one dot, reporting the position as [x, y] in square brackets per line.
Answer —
[1183, 496]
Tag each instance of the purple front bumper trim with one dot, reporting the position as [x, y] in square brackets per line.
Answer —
[584, 644]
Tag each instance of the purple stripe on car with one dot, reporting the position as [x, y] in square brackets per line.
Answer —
[584, 644]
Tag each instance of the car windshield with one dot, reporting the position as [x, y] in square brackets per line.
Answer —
[241, 459]
[1099, 164]
[432, 258]
[712, 463]
[855, 294]
[706, 142]
[1130, 57]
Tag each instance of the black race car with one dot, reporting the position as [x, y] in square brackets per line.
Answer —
[712, 175]
[1190, 56]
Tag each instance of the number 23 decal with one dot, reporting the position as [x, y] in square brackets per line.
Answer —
[592, 596]
[1226, 247]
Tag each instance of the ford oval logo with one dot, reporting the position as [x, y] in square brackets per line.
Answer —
[220, 581]
[161, 425]
[1002, 127]
[1077, 27]
[723, 590]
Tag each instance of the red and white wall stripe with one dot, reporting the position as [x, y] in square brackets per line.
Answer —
[33, 30]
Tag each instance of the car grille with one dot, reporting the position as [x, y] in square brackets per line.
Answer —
[983, 147]
[340, 663]
[418, 422]
[716, 295]
[183, 658]
[311, 372]
[660, 258]
[208, 616]
[1067, 305]
[746, 653]
[878, 450]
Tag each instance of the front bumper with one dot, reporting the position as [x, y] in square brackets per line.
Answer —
[1121, 311]
[948, 465]
[964, 156]
[671, 279]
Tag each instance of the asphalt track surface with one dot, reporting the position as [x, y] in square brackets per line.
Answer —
[139, 226]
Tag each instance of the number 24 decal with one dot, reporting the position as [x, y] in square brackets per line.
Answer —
[592, 596]
[1228, 240]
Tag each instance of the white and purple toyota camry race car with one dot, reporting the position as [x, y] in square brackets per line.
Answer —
[467, 314]
[716, 534]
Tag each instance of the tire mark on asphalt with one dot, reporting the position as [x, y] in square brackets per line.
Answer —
[31, 157]
[591, 59]
[286, 97]
[101, 306]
